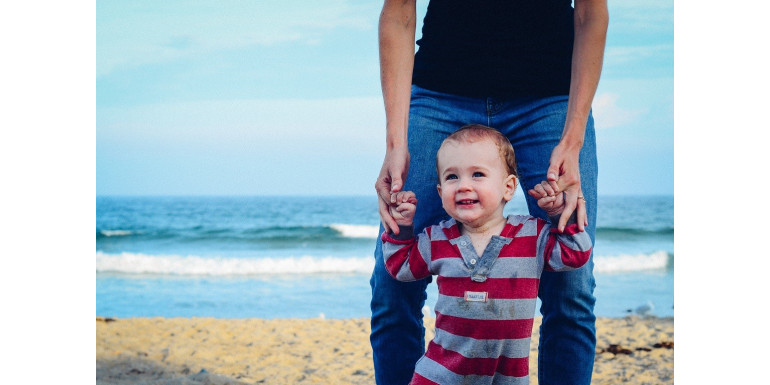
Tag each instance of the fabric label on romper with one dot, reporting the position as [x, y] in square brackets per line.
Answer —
[476, 296]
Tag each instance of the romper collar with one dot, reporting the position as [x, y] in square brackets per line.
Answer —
[480, 266]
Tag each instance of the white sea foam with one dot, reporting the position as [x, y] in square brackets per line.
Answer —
[136, 263]
[357, 231]
[116, 233]
[628, 263]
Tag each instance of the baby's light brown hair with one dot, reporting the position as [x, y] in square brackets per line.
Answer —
[475, 132]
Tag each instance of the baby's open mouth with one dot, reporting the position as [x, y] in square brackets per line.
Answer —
[467, 202]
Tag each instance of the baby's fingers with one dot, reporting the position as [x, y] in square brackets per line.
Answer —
[537, 192]
[550, 188]
[403, 196]
[411, 198]
[546, 201]
[405, 208]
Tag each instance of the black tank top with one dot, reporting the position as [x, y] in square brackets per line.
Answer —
[498, 48]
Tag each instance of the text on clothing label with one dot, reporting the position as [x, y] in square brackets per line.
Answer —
[476, 296]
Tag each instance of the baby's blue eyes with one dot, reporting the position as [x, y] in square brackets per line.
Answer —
[477, 174]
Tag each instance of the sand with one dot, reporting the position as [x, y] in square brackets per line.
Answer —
[194, 351]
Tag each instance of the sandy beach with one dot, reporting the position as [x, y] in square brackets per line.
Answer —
[192, 351]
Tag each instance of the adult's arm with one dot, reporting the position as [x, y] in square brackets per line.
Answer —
[591, 19]
[396, 42]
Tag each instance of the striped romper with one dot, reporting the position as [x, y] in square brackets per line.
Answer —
[486, 303]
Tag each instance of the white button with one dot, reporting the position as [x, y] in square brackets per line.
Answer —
[473, 261]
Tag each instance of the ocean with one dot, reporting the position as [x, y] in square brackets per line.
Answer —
[307, 257]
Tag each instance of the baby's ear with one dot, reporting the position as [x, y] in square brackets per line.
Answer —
[510, 187]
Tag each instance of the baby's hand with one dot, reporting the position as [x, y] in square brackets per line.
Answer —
[402, 207]
[549, 198]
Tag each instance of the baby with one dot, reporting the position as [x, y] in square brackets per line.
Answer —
[488, 266]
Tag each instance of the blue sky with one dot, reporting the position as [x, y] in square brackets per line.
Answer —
[265, 98]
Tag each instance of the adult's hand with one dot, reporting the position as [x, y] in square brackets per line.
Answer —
[564, 170]
[391, 180]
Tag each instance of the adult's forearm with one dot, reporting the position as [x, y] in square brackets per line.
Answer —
[591, 20]
[396, 43]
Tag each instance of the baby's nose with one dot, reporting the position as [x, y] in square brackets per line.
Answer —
[465, 184]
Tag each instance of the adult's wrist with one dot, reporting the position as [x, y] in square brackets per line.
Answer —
[572, 139]
[574, 130]
[396, 142]
[571, 145]
[396, 145]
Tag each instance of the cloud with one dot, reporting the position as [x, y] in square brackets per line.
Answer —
[648, 5]
[266, 123]
[607, 113]
[621, 55]
[282, 146]
[645, 17]
[141, 32]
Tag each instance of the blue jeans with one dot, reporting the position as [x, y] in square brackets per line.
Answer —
[534, 127]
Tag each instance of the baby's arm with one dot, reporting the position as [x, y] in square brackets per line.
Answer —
[407, 258]
[562, 250]
[567, 250]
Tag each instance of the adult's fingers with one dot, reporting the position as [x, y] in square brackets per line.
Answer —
[383, 193]
[396, 184]
[570, 204]
[567, 182]
[389, 181]
[553, 171]
[387, 220]
[582, 215]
